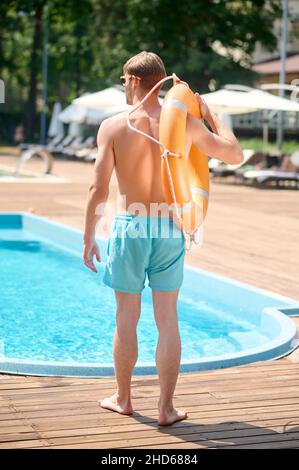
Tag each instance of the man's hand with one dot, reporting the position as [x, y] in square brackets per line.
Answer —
[204, 109]
[206, 113]
[91, 249]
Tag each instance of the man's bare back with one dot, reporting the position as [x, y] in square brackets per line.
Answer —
[138, 159]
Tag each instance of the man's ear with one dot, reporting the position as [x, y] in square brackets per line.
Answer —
[134, 81]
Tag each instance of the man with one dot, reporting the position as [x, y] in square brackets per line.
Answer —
[137, 163]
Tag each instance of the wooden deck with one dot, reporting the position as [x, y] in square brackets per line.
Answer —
[255, 406]
[250, 235]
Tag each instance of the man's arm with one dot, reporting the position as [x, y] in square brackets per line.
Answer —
[98, 190]
[220, 144]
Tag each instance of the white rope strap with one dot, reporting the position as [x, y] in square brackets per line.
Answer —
[170, 77]
[165, 156]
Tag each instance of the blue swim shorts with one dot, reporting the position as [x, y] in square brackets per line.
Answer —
[141, 246]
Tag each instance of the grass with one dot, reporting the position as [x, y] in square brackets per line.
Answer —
[10, 150]
[288, 146]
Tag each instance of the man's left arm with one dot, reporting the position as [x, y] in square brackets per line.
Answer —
[98, 191]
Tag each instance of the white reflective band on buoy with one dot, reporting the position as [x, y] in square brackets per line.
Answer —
[185, 207]
[200, 192]
[171, 103]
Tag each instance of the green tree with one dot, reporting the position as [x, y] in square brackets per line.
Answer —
[90, 40]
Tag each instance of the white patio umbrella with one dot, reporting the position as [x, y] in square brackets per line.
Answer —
[230, 101]
[239, 99]
[80, 115]
[225, 101]
[72, 113]
[111, 99]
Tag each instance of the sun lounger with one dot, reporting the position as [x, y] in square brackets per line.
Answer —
[49, 146]
[92, 155]
[264, 176]
[277, 175]
[75, 145]
[38, 151]
[89, 142]
[62, 146]
[226, 169]
[87, 146]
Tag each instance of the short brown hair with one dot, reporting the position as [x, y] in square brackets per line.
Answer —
[148, 66]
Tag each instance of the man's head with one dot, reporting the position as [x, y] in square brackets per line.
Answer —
[141, 73]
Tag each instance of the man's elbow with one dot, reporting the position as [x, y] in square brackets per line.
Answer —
[98, 193]
[237, 156]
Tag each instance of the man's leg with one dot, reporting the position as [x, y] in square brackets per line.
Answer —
[125, 351]
[168, 354]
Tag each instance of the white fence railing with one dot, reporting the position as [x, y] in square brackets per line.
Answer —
[255, 121]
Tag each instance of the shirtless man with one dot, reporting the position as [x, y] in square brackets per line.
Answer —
[137, 163]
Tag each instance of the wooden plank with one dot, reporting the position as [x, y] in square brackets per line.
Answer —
[36, 443]
[204, 405]
[281, 420]
[146, 406]
[183, 427]
[86, 443]
[189, 434]
[203, 387]
[212, 431]
[192, 445]
[183, 395]
[191, 378]
[18, 436]
[73, 422]
[241, 393]
[15, 428]
[256, 368]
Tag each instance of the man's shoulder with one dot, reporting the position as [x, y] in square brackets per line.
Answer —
[111, 127]
[116, 121]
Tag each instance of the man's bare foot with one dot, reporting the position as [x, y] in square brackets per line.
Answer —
[166, 418]
[112, 403]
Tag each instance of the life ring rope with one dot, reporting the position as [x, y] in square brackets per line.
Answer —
[170, 77]
[166, 152]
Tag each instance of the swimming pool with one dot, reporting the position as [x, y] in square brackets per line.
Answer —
[58, 318]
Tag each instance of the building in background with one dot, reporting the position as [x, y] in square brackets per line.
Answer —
[267, 65]
[261, 54]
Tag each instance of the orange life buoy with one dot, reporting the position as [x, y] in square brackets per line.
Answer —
[185, 178]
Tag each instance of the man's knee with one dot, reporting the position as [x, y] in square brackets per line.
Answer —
[165, 310]
[127, 318]
[129, 314]
[128, 309]
[166, 319]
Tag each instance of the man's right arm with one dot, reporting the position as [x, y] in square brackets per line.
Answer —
[220, 144]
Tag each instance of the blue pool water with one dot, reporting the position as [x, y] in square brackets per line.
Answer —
[53, 309]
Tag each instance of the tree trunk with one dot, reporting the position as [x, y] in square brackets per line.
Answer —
[30, 114]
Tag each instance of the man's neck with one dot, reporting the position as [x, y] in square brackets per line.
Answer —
[150, 106]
